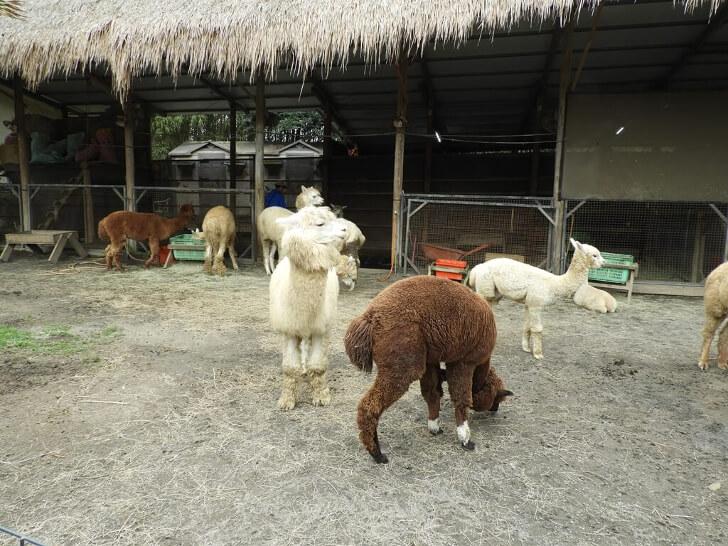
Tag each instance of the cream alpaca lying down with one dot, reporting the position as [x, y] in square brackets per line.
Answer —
[594, 299]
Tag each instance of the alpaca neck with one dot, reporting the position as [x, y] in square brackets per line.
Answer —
[575, 276]
[172, 225]
[307, 255]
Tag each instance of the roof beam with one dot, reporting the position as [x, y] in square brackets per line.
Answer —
[716, 22]
[582, 59]
[35, 96]
[541, 87]
[218, 89]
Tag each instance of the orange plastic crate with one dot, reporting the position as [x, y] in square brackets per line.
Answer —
[451, 263]
[454, 264]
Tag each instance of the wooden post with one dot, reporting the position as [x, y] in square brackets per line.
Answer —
[400, 125]
[88, 205]
[559, 205]
[23, 156]
[129, 155]
[427, 175]
[259, 145]
[326, 174]
[232, 196]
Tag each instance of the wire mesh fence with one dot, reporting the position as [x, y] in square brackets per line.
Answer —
[473, 228]
[671, 241]
[9, 208]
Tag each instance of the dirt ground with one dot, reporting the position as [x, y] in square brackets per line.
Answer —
[142, 410]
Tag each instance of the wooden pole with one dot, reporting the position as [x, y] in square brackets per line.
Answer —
[23, 155]
[88, 205]
[427, 175]
[400, 125]
[129, 156]
[327, 152]
[259, 145]
[232, 200]
[559, 205]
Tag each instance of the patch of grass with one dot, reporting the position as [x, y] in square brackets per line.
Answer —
[52, 340]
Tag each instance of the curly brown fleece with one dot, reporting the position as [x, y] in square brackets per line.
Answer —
[408, 329]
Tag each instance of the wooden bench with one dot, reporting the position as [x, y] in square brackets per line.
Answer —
[627, 287]
[51, 237]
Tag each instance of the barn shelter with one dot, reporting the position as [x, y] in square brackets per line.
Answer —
[504, 125]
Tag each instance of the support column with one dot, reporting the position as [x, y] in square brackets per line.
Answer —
[129, 155]
[88, 205]
[326, 171]
[559, 205]
[233, 197]
[259, 145]
[23, 155]
[400, 125]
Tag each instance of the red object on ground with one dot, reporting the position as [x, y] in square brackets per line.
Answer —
[455, 264]
[163, 253]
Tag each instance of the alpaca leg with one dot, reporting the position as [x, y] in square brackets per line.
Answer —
[207, 267]
[273, 250]
[536, 331]
[233, 254]
[526, 336]
[723, 348]
[153, 252]
[382, 394]
[291, 373]
[266, 256]
[218, 266]
[460, 386]
[108, 256]
[318, 362]
[431, 388]
[711, 323]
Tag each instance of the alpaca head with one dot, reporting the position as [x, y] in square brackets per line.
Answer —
[347, 269]
[311, 196]
[312, 238]
[338, 210]
[590, 254]
[491, 395]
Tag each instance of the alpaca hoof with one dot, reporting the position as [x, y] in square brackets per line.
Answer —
[379, 458]
[703, 365]
[723, 365]
[219, 269]
[468, 446]
[286, 402]
[207, 268]
[538, 356]
[323, 399]
[436, 432]
[525, 347]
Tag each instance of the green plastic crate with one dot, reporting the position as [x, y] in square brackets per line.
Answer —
[194, 254]
[616, 276]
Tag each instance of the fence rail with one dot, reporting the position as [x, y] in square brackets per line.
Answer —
[22, 539]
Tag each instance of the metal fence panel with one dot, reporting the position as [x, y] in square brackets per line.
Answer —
[472, 227]
[671, 241]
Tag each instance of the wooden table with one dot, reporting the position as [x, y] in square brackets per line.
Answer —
[51, 237]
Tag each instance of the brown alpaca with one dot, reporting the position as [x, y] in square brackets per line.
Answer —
[121, 225]
[408, 329]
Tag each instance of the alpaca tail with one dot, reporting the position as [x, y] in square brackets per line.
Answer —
[102, 232]
[358, 343]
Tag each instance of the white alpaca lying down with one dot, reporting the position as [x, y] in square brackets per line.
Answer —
[594, 299]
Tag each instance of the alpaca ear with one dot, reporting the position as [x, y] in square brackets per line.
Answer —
[576, 244]
[303, 188]
[503, 393]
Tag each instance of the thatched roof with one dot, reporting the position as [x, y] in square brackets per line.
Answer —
[223, 37]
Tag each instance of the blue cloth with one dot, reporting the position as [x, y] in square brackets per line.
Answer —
[274, 198]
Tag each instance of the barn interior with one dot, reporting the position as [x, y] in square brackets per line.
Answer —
[611, 115]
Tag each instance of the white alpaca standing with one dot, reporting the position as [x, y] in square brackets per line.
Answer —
[303, 294]
[270, 232]
[534, 287]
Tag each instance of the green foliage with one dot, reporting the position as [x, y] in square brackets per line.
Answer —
[170, 131]
[52, 340]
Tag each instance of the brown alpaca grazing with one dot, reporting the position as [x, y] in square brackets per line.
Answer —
[121, 225]
[408, 330]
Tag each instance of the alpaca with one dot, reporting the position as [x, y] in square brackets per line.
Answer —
[121, 225]
[270, 232]
[534, 287]
[591, 298]
[348, 269]
[309, 196]
[715, 300]
[408, 329]
[218, 232]
[303, 294]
